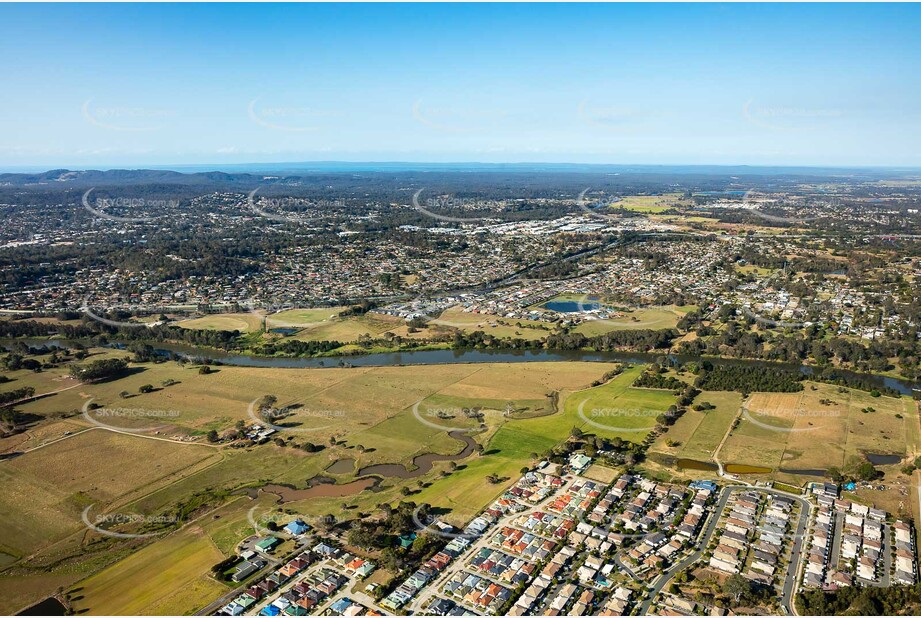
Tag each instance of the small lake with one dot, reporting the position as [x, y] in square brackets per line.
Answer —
[284, 330]
[571, 306]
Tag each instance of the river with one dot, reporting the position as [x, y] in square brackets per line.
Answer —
[456, 356]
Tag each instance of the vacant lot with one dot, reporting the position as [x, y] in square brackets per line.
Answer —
[699, 433]
[650, 204]
[824, 426]
[167, 577]
[615, 409]
[46, 490]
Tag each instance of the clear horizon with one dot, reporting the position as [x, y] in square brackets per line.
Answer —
[133, 86]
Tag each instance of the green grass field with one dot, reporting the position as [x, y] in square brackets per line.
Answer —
[655, 318]
[170, 576]
[614, 409]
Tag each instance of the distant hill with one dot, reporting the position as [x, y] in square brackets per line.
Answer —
[285, 173]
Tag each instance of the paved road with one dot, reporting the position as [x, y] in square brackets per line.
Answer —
[433, 588]
[790, 584]
[704, 540]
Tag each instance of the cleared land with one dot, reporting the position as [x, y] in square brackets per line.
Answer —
[651, 204]
[368, 410]
[654, 318]
[46, 490]
[167, 577]
[243, 322]
[698, 434]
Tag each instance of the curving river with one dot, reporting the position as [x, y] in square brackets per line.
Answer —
[455, 356]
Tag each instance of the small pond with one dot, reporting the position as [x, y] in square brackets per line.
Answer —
[342, 466]
[879, 459]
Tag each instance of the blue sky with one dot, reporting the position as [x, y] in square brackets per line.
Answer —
[132, 85]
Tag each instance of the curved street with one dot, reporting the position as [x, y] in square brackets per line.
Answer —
[791, 580]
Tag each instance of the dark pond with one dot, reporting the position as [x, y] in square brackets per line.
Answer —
[285, 330]
[878, 459]
[422, 464]
[695, 464]
[48, 607]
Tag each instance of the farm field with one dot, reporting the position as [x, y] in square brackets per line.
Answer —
[699, 433]
[45, 490]
[368, 410]
[169, 576]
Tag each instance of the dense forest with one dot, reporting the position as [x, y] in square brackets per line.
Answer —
[748, 379]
